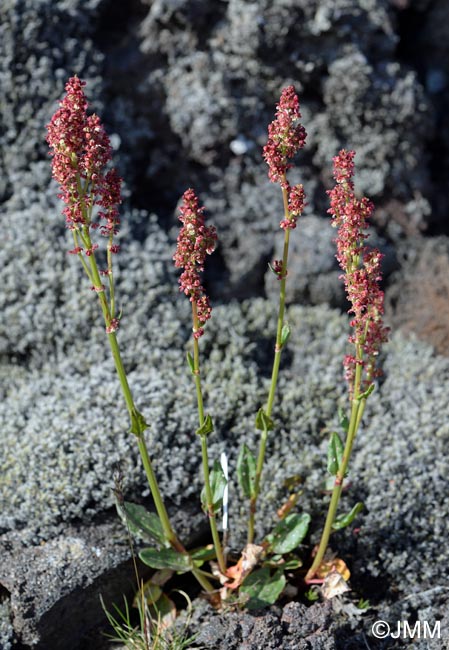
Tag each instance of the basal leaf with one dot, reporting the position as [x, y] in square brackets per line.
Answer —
[262, 588]
[293, 564]
[288, 533]
[152, 592]
[289, 565]
[203, 554]
[142, 523]
[166, 558]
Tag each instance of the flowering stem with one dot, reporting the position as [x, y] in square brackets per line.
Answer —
[111, 277]
[80, 150]
[280, 324]
[274, 374]
[138, 424]
[253, 500]
[361, 277]
[138, 427]
[357, 408]
[204, 453]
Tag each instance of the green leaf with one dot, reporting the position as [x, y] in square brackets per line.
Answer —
[289, 565]
[138, 423]
[142, 523]
[344, 420]
[367, 393]
[344, 520]
[203, 554]
[335, 451]
[272, 270]
[166, 558]
[217, 485]
[289, 533]
[246, 471]
[190, 362]
[285, 334]
[263, 422]
[206, 428]
[262, 588]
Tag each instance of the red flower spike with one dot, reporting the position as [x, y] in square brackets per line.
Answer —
[361, 267]
[80, 150]
[195, 241]
[286, 136]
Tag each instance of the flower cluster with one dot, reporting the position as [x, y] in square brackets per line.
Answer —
[361, 267]
[195, 241]
[286, 136]
[278, 269]
[81, 149]
[296, 204]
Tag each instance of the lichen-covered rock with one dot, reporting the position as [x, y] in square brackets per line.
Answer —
[6, 628]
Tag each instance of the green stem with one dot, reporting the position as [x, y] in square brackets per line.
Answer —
[210, 506]
[138, 426]
[203, 581]
[111, 277]
[281, 312]
[274, 374]
[204, 452]
[253, 499]
[357, 408]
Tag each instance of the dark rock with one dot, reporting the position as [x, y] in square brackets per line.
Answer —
[55, 588]
[295, 627]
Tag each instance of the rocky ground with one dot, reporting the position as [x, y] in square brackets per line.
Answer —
[186, 89]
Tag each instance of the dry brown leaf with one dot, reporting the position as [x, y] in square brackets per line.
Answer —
[334, 585]
[250, 557]
[334, 564]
